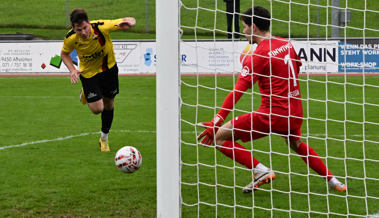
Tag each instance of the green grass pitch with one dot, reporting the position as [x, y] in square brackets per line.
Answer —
[51, 165]
[308, 18]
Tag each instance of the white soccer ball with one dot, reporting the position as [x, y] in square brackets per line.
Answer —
[128, 159]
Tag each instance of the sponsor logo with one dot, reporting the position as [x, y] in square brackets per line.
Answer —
[78, 44]
[294, 93]
[147, 56]
[245, 71]
[123, 50]
[88, 58]
[91, 95]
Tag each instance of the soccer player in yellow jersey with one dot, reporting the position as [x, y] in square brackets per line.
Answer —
[98, 70]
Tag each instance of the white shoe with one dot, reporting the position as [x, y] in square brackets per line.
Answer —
[338, 186]
[260, 178]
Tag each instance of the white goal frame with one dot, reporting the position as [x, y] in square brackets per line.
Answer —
[167, 106]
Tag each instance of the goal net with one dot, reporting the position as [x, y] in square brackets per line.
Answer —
[338, 44]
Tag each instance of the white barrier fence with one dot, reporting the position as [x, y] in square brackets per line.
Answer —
[206, 57]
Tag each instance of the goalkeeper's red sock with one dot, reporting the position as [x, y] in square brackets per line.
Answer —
[314, 162]
[241, 154]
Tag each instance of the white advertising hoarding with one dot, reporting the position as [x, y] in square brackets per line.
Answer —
[127, 57]
[29, 57]
[139, 57]
[317, 56]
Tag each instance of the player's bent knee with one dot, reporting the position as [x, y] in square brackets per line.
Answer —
[96, 107]
[295, 144]
[218, 143]
[96, 111]
[225, 133]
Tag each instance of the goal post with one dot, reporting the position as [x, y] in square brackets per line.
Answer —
[167, 107]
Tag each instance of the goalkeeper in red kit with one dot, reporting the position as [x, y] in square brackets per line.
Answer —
[275, 65]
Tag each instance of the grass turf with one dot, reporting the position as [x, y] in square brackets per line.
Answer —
[302, 18]
[70, 176]
[67, 175]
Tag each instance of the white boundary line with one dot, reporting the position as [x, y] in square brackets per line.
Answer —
[46, 140]
[67, 137]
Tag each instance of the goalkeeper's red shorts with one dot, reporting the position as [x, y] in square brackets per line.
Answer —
[248, 127]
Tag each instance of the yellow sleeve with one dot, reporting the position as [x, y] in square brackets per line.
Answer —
[109, 25]
[68, 43]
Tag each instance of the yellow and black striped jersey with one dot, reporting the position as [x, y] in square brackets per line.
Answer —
[96, 53]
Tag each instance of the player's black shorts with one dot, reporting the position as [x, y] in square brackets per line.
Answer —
[104, 84]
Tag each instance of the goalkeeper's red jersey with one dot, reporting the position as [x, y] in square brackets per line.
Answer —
[275, 65]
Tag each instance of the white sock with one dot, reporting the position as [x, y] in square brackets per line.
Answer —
[261, 167]
[333, 181]
[104, 136]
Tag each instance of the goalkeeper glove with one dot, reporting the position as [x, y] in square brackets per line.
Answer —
[211, 128]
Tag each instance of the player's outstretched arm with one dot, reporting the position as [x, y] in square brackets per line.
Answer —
[126, 23]
[207, 136]
[233, 97]
[74, 73]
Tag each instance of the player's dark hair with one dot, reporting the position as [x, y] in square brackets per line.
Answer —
[77, 16]
[260, 17]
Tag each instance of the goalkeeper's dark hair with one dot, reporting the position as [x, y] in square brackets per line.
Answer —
[78, 15]
[260, 17]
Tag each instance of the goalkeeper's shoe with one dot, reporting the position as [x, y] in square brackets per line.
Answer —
[260, 178]
[339, 186]
[104, 145]
[83, 97]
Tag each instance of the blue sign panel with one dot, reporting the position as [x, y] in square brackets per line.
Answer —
[358, 58]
